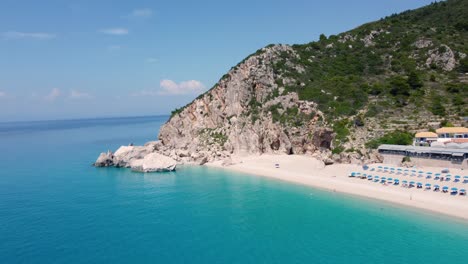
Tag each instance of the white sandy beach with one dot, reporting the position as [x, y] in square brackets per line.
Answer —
[308, 171]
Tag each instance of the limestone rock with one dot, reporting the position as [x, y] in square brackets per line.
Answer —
[442, 57]
[105, 160]
[154, 162]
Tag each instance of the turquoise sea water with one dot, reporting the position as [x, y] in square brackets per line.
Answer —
[56, 208]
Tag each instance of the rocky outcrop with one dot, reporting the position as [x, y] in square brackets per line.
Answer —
[153, 162]
[138, 158]
[442, 57]
[106, 159]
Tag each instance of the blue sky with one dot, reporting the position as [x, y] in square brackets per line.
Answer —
[70, 59]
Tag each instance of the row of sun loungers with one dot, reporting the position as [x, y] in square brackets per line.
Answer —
[421, 174]
[408, 184]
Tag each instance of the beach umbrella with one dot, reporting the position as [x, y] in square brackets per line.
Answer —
[379, 167]
[406, 170]
[369, 177]
[413, 170]
[390, 179]
[383, 178]
[454, 189]
[397, 180]
[405, 182]
[411, 182]
[421, 172]
[400, 169]
[462, 191]
[392, 169]
[420, 183]
[436, 186]
[448, 175]
[385, 168]
[437, 174]
[430, 173]
[445, 188]
[457, 177]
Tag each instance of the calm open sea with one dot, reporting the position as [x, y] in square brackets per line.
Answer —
[56, 208]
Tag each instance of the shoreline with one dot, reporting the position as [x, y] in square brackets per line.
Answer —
[308, 171]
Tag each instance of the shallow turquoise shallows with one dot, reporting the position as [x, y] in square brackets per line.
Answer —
[56, 208]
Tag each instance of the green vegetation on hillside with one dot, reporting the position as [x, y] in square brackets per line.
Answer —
[394, 138]
[341, 73]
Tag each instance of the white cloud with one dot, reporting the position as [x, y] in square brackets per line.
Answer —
[2, 94]
[74, 94]
[27, 35]
[141, 13]
[169, 87]
[53, 95]
[115, 31]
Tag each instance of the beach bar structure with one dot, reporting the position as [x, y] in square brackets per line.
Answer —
[425, 156]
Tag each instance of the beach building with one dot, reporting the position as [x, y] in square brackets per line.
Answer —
[446, 134]
[453, 157]
[425, 138]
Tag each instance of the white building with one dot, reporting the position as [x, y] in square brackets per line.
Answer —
[446, 134]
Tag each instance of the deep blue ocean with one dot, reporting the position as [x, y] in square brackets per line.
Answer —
[56, 208]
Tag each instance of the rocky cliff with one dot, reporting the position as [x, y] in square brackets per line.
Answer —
[245, 114]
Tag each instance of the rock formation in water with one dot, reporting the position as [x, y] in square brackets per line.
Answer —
[138, 158]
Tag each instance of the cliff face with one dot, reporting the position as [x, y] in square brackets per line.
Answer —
[244, 114]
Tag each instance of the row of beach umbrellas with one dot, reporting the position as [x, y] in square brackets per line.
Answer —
[428, 175]
[405, 183]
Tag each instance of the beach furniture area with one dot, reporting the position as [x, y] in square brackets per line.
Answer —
[426, 181]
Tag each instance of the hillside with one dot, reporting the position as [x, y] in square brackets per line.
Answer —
[334, 97]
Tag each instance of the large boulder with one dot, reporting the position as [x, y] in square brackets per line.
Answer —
[124, 156]
[153, 162]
